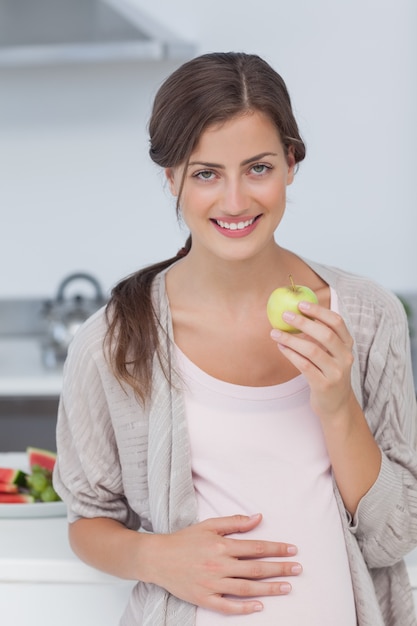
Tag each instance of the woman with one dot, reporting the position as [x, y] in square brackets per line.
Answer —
[273, 475]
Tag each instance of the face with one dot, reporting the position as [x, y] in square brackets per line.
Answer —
[234, 191]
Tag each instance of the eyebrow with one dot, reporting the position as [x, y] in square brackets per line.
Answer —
[256, 157]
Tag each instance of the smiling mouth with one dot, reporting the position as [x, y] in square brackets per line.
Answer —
[235, 225]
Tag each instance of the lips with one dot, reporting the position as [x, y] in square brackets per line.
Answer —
[235, 227]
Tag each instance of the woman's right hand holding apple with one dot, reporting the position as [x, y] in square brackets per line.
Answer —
[201, 565]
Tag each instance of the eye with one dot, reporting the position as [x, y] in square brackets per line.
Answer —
[204, 175]
[260, 168]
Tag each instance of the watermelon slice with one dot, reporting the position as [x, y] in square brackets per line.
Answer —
[42, 458]
[16, 498]
[8, 488]
[12, 476]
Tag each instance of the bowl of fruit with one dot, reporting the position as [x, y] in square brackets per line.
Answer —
[26, 488]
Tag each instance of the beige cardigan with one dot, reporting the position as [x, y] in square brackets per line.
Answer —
[117, 460]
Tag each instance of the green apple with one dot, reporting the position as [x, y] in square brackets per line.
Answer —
[287, 299]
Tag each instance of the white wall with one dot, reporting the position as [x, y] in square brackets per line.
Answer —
[78, 191]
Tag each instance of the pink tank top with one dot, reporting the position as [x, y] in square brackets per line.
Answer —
[261, 449]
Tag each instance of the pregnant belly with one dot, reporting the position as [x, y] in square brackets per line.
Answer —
[322, 595]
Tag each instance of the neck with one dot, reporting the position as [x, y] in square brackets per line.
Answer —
[233, 281]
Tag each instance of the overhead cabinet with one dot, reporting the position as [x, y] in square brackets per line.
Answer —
[57, 31]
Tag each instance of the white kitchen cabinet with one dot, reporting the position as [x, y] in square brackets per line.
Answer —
[66, 604]
[42, 583]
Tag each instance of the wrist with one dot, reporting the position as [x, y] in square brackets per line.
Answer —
[147, 562]
[342, 416]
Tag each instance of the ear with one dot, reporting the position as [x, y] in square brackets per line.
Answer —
[291, 165]
[171, 181]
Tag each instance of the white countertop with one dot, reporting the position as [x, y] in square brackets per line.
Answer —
[37, 550]
[22, 372]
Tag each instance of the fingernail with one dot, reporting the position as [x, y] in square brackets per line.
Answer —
[296, 569]
[276, 334]
[303, 305]
[288, 316]
[291, 549]
[258, 607]
[285, 588]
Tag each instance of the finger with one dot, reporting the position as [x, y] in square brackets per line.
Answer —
[234, 607]
[319, 367]
[316, 330]
[232, 523]
[243, 588]
[258, 570]
[303, 349]
[257, 548]
[334, 340]
[327, 317]
[319, 346]
[231, 606]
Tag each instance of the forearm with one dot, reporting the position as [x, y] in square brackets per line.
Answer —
[110, 547]
[354, 454]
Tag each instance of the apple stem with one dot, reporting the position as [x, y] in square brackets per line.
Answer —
[292, 283]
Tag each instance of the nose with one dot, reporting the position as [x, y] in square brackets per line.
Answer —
[235, 198]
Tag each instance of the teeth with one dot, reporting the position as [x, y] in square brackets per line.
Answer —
[234, 225]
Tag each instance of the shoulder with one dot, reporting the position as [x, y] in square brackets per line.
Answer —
[361, 297]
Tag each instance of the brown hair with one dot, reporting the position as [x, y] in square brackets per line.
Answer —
[207, 90]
